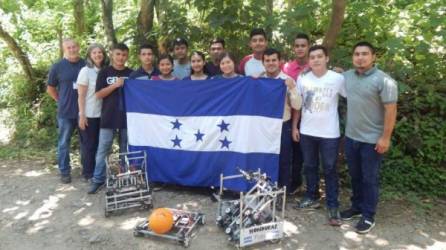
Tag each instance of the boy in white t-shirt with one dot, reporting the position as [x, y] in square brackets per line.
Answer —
[252, 65]
[319, 129]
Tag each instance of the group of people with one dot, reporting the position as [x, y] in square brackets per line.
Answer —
[89, 96]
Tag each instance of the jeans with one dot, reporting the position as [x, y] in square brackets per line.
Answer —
[89, 140]
[66, 127]
[363, 166]
[296, 166]
[328, 149]
[285, 155]
[105, 142]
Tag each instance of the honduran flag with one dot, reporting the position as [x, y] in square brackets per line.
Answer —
[192, 131]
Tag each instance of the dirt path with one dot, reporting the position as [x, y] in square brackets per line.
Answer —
[37, 212]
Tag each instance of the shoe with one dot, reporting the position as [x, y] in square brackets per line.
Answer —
[86, 179]
[294, 191]
[307, 203]
[65, 179]
[334, 218]
[350, 214]
[95, 187]
[364, 225]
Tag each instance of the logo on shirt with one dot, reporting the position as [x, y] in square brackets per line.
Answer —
[112, 79]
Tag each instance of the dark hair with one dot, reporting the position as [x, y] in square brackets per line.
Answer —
[217, 40]
[269, 52]
[89, 60]
[302, 36]
[145, 46]
[365, 44]
[318, 47]
[258, 31]
[200, 54]
[226, 54]
[120, 46]
[165, 56]
[180, 41]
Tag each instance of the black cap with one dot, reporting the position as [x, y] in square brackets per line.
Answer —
[180, 41]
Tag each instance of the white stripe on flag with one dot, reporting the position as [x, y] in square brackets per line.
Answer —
[244, 134]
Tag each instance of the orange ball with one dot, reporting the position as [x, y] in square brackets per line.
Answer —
[161, 220]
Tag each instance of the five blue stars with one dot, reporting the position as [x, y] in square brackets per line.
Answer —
[176, 124]
[225, 143]
[176, 141]
[223, 126]
[199, 136]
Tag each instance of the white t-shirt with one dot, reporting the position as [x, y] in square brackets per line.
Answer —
[250, 66]
[87, 77]
[320, 116]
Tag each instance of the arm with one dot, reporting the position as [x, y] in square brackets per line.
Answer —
[82, 92]
[294, 98]
[52, 91]
[295, 120]
[101, 94]
[383, 143]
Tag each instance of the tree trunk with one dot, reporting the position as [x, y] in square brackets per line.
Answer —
[60, 40]
[79, 17]
[18, 53]
[337, 18]
[160, 7]
[107, 19]
[269, 13]
[144, 23]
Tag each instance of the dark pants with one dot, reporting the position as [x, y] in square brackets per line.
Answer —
[296, 166]
[363, 166]
[285, 155]
[89, 139]
[328, 148]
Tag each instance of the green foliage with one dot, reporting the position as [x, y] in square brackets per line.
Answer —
[409, 36]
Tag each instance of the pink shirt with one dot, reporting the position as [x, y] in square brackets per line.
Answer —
[293, 69]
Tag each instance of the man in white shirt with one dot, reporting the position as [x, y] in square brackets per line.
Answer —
[319, 130]
[271, 62]
[252, 65]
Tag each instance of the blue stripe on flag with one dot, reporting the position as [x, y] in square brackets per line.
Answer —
[239, 96]
[191, 168]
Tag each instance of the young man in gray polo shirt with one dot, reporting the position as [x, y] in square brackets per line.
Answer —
[371, 113]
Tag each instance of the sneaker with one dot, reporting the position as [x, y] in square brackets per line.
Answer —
[334, 217]
[364, 225]
[95, 187]
[350, 214]
[65, 179]
[307, 203]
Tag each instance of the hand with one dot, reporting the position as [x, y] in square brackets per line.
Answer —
[290, 83]
[295, 134]
[83, 122]
[382, 145]
[119, 82]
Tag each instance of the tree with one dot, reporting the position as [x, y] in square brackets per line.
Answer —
[144, 23]
[18, 53]
[107, 20]
[337, 18]
[79, 18]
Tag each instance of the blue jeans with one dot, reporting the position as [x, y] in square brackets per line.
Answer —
[105, 142]
[363, 166]
[328, 149]
[66, 127]
[89, 139]
[285, 156]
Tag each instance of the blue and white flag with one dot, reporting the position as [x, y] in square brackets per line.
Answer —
[193, 131]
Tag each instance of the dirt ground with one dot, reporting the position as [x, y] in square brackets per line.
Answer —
[38, 212]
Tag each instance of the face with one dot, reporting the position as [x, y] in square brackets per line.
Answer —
[197, 63]
[180, 51]
[272, 64]
[165, 66]
[146, 57]
[70, 50]
[300, 48]
[97, 56]
[119, 57]
[258, 43]
[318, 60]
[363, 58]
[215, 50]
[227, 66]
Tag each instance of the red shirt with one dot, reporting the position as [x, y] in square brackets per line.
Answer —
[293, 69]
